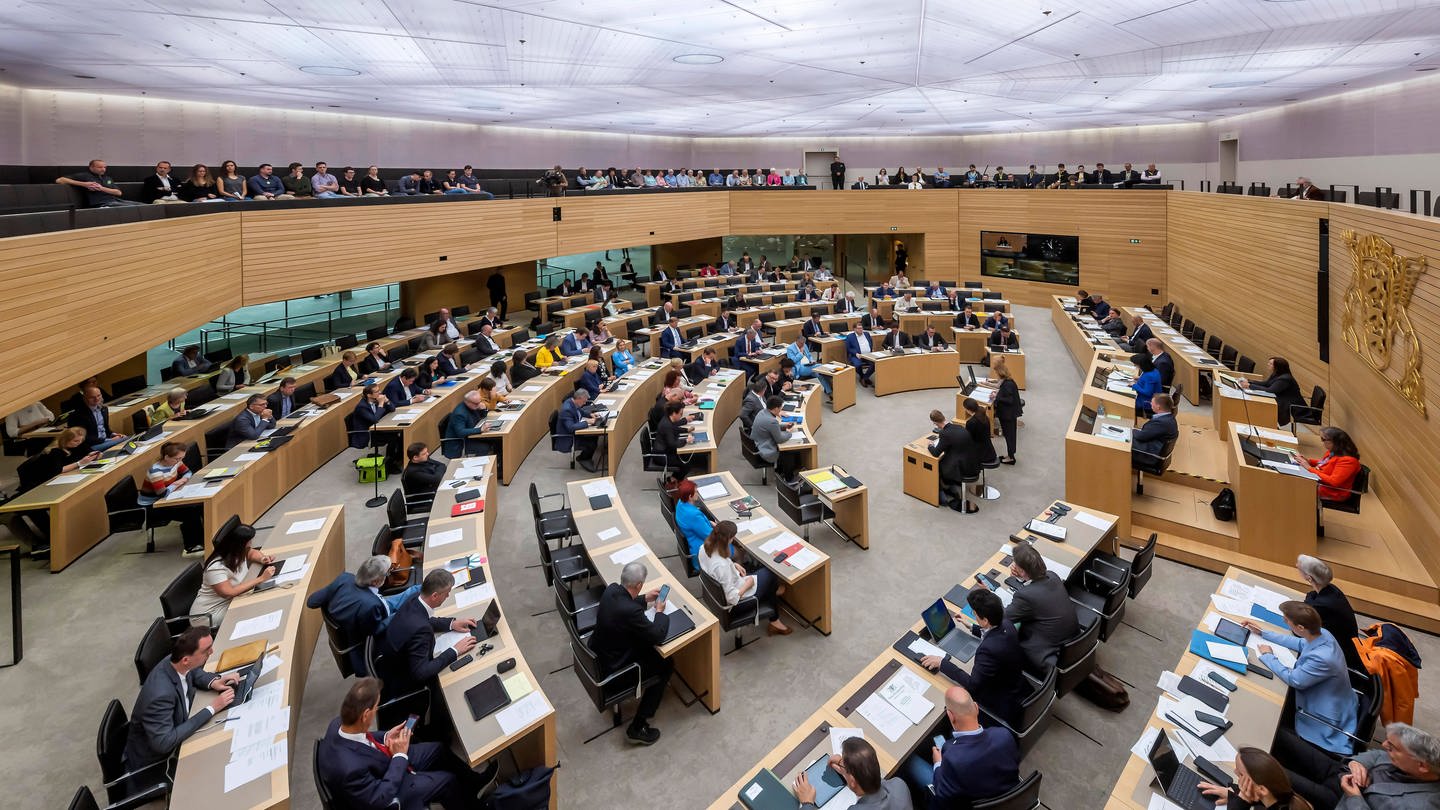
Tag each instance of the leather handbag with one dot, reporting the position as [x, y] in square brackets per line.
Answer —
[1223, 505]
[401, 564]
[526, 790]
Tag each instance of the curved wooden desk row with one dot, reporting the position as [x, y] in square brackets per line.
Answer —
[1255, 706]
[653, 293]
[279, 617]
[980, 306]
[1082, 334]
[526, 727]
[811, 739]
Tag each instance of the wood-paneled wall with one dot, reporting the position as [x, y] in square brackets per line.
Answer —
[597, 223]
[1244, 268]
[423, 295]
[1105, 221]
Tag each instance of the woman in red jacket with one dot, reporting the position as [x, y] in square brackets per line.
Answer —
[1338, 467]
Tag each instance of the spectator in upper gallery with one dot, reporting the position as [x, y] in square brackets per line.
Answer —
[349, 183]
[582, 179]
[637, 178]
[410, 184]
[773, 178]
[1002, 178]
[98, 187]
[427, 184]
[733, 179]
[230, 186]
[1062, 176]
[972, 177]
[160, 187]
[450, 183]
[372, 185]
[555, 182]
[199, 186]
[323, 183]
[942, 177]
[1305, 190]
[1032, 178]
[264, 185]
[882, 178]
[1102, 174]
[296, 183]
[1151, 175]
[599, 180]
[715, 179]
[1128, 175]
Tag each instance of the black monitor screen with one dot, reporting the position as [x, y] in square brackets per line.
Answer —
[1030, 257]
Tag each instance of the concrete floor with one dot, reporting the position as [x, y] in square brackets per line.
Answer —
[82, 624]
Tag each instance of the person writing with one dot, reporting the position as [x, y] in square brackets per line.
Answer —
[408, 643]
[1260, 784]
[1281, 383]
[749, 581]
[860, 768]
[173, 406]
[1337, 468]
[996, 678]
[226, 573]
[975, 762]
[161, 720]
[1326, 708]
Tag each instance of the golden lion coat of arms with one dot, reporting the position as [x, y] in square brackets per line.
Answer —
[1376, 321]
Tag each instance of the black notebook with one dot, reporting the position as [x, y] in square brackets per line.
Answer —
[598, 502]
[680, 624]
[487, 697]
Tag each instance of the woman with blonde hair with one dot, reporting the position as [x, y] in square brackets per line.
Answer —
[199, 186]
[1008, 405]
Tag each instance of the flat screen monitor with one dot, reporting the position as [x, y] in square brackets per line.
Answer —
[1051, 258]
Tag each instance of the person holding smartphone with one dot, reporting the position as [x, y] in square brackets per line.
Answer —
[974, 763]
[625, 636]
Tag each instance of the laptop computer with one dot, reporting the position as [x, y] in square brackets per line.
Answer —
[946, 635]
[485, 628]
[1180, 784]
[1255, 451]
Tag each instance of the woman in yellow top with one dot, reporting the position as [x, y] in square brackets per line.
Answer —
[488, 397]
[549, 353]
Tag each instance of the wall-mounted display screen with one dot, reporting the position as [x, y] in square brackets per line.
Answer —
[1030, 257]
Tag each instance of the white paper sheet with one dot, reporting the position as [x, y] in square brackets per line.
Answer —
[1142, 746]
[890, 723]
[839, 735]
[249, 456]
[1236, 589]
[712, 491]
[475, 595]
[608, 534]
[1092, 521]
[258, 761]
[522, 712]
[1225, 652]
[295, 568]
[758, 525]
[774, 544]
[263, 623]
[1159, 802]
[1285, 656]
[445, 538]
[629, 554]
[803, 559]
[271, 663]
[263, 699]
[602, 487]
[302, 526]
[1268, 599]
[911, 703]
[444, 641]
[194, 490]
[258, 727]
[1169, 682]
[1211, 621]
[73, 478]
[922, 647]
[1234, 607]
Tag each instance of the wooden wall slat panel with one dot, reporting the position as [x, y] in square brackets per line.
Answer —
[598, 223]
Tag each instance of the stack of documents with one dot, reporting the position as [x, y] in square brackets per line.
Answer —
[254, 751]
[897, 705]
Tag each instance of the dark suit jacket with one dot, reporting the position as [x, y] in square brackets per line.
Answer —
[485, 345]
[670, 438]
[976, 766]
[1338, 617]
[1046, 618]
[160, 720]
[669, 339]
[151, 190]
[1166, 366]
[1102, 176]
[998, 338]
[275, 400]
[1007, 400]
[896, 339]
[962, 320]
[1137, 340]
[522, 373]
[246, 427]
[722, 324]
[979, 429]
[812, 328]
[995, 320]
[621, 629]
[996, 679]
[752, 405]
[747, 345]
[83, 419]
[449, 367]
[358, 612]
[362, 778]
[870, 322]
[340, 378]
[959, 457]
[399, 393]
[370, 365]
[422, 478]
[1286, 391]
[366, 414]
[1152, 436]
[406, 647]
[923, 341]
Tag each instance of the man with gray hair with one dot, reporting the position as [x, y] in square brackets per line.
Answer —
[254, 420]
[1336, 615]
[408, 644]
[625, 638]
[353, 602]
[1404, 774]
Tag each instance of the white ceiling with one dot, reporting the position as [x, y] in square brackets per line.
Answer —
[791, 67]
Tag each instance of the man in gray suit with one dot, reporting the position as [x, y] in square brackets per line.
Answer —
[1041, 609]
[254, 420]
[858, 765]
[754, 402]
[161, 719]
[767, 434]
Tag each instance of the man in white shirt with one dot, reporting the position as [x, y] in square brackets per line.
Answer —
[323, 182]
[25, 420]
[906, 303]
[451, 330]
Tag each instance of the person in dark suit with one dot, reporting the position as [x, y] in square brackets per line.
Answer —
[1161, 428]
[485, 342]
[190, 362]
[353, 602]
[672, 436]
[284, 401]
[1003, 337]
[407, 647]
[702, 367]
[996, 678]
[858, 343]
[1128, 176]
[364, 770]
[1008, 407]
[959, 459]
[574, 416]
[753, 403]
[345, 374]
[576, 343]
[161, 719]
[930, 339]
[373, 407]
[872, 321]
[404, 390]
[813, 327]
[895, 339]
[521, 369]
[375, 360]
[423, 475]
[749, 343]
[1102, 174]
[977, 424]
[94, 418]
[1141, 334]
[467, 422]
[1162, 360]
[663, 314]
[967, 319]
[1041, 609]
[492, 319]
[449, 360]
[254, 420]
[670, 339]
[847, 305]
[625, 636]
[724, 323]
[975, 762]
[160, 185]
[995, 320]
[1330, 602]
[1282, 384]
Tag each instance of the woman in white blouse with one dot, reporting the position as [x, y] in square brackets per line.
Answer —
[233, 376]
[500, 373]
[226, 574]
[736, 580]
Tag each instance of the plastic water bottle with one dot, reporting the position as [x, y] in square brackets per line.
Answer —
[1100, 410]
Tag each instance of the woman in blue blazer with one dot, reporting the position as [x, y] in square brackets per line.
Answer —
[690, 518]
[1146, 385]
[1326, 709]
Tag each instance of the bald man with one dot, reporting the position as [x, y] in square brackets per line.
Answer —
[974, 763]
[1162, 360]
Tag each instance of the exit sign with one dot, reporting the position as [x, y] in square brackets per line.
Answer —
[1134, 241]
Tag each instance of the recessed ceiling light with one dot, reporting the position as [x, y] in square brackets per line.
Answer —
[699, 59]
[910, 112]
[328, 70]
[1229, 85]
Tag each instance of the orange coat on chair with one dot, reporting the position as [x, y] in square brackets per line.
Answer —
[1398, 676]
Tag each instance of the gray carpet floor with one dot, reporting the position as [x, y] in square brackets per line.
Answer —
[82, 625]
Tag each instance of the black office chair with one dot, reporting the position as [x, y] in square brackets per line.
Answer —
[1308, 414]
[312, 354]
[129, 385]
[1176, 319]
[748, 612]
[607, 692]
[555, 438]
[139, 421]
[752, 455]
[327, 800]
[1166, 310]
[682, 545]
[1187, 327]
[1101, 592]
[1024, 796]
[1078, 654]
[216, 440]
[125, 513]
[1152, 463]
[1370, 696]
[220, 355]
[377, 332]
[399, 707]
[410, 527]
[460, 311]
[153, 648]
[346, 342]
[179, 595]
[1359, 487]
[83, 800]
[1213, 346]
[167, 373]
[340, 646]
[652, 461]
[231, 524]
[126, 789]
[1197, 336]
[577, 605]
[1229, 357]
[1135, 571]
[1035, 712]
[802, 509]
[552, 526]
[1245, 365]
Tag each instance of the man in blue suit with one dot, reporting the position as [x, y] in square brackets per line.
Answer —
[749, 343]
[354, 603]
[857, 343]
[670, 338]
[1164, 363]
[462, 432]
[574, 417]
[799, 353]
[403, 390]
[365, 770]
[575, 343]
[975, 762]
[408, 643]
[996, 679]
[1141, 336]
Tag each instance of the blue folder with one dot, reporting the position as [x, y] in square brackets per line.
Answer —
[1198, 638]
[1267, 615]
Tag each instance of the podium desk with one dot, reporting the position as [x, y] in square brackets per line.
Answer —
[851, 506]
[1097, 463]
[970, 344]
[1117, 397]
[1275, 512]
[1014, 360]
[921, 470]
[1237, 405]
[915, 370]
[842, 381]
[984, 396]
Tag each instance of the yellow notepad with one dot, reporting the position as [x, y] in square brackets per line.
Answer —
[517, 686]
[820, 477]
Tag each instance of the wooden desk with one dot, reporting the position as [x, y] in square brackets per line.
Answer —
[1275, 512]
[921, 470]
[851, 506]
[532, 742]
[970, 344]
[1255, 706]
[802, 435]
[552, 304]
[763, 361]
[762, 535]
[1229, 405]
[696, 653]
[726, 388]
[200, 768]
[807, 743]
[620, 323]
[842, 381]
[1097, 469]
[914, 370]
[1191, 361]
[576, 317]
[1015, 361]
[630, 400]
[1117, 402]
[686, 324]
[721, 342]
[1082, 334]
[519, 431]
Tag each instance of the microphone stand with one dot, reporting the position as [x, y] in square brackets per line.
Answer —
[377, 499]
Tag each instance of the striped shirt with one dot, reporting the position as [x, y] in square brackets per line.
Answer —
[159, 479]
